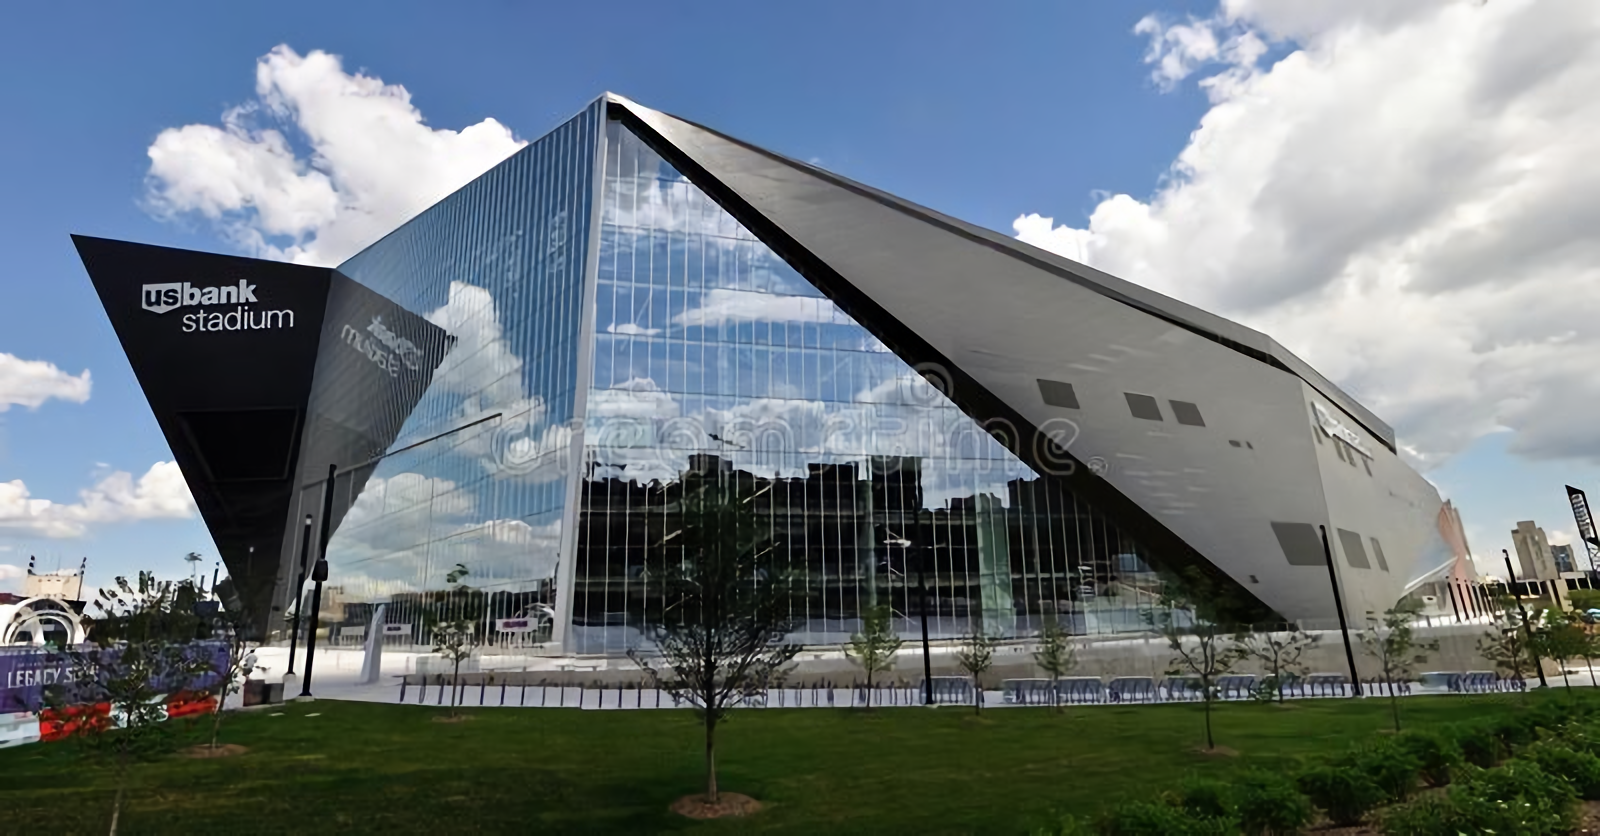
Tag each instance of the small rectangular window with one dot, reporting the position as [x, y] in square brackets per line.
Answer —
[1187, 413]
[1232, 443]
[1056, 393]
[1143, 406]
[1354, 553]
[1301, 544]
[1377, 553]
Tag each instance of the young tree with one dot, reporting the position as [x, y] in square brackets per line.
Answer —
[1506, 645]
[142, 649]
[723, 607]
[1056, 656]
[1393, 643]
[874, 648]
[455, 628]
[1195, 619]
[232, 630]
[976, 656]
[1278, 654]
[1561, 637]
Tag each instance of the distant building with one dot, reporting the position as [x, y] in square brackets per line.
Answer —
[62, 584]
[1533, 553]
[1563, 558]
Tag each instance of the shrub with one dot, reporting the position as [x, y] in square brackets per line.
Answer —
[1267, 803]
[1148, 818]
[1206, 799]
[1479, 745]
[1517, 729]
[1516, 798]
[1389, 766]
[1435, 754]
[1430, 816]
[1580, 770]
[1066, 825]
[1345, 793]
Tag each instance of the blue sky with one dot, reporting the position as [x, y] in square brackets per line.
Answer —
[993, 113]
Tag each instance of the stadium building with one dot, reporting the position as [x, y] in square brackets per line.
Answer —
[519, 379]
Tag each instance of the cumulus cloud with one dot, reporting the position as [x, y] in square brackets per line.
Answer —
[320, 163]
[10, 574]
[30, 383]
[118, 497]
[1406, 199]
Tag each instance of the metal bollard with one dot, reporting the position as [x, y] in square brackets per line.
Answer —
[402, 690]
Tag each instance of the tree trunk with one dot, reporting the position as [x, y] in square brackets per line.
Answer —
[869, 689]
[455, 685]
[977, 696]
[711, 758]
[216, 720]
[1394, 703]
[1590, 662]
[1211, 742]
[122, 783]
[1055, 693]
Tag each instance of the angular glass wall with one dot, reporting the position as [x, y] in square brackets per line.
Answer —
[712, 355]
[499, 266]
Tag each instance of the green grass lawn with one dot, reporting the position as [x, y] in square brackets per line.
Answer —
[362, 767]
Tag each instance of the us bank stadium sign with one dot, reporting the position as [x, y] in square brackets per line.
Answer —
[244, 316]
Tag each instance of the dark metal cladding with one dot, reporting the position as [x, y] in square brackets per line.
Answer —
[236, 357]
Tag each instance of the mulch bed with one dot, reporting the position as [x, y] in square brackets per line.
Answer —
[459, 718]
[728, 804]
[1588, 817]
[204, 750]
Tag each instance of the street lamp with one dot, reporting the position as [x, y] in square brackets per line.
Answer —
[299, 590]
[319, 573]
[922, 610]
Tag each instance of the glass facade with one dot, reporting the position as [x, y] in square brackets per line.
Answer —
[702, 352]
[712, 354]
[499, 265]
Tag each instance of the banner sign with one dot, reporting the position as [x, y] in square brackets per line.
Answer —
[397, 629]
[25, 673]
[515, 625]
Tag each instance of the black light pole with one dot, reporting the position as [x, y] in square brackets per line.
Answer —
[299, 590]
[1338, 604]
[1527, 628]
[927, 661]
[319, 573]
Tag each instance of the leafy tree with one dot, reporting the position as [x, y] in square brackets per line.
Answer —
[976, 656]
[1393, 643]
[1194, 620]
[456, 638]
[874, 648]
[1056, 656]
[142, 648]
[1506, 645]
[724, 607]
[1560, 636]
[1278, 654]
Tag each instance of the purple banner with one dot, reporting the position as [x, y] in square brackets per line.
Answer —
[26, 672]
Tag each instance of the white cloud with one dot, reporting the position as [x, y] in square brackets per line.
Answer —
[1407, 200]
[9, 574]
[160, 493]
[30, 383]
[723, 305]
[369, 163]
